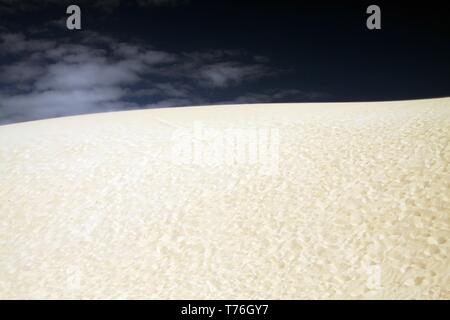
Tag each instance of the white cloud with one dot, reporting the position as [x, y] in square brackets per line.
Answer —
[172, 102]
[86, 75]
[17, 43]
[289, 95]
[54, 103]
[224, 74]
[49, 78]
[20, 72]
[157, 57]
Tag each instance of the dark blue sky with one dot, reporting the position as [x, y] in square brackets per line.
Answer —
[162, 53]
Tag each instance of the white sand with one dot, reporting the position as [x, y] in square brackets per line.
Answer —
[348, 200]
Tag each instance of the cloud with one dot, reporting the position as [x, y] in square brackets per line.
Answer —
[172, 102]
[64, 76]
[217, 68]
[20, 72]
[224, 74]
[55, 103]
[51, 77]
[166, 89]
[287, 95]
[17, 43]
[43, 78]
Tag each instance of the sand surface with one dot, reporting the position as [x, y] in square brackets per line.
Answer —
[278, 201]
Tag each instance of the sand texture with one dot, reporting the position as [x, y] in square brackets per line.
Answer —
[342, 200]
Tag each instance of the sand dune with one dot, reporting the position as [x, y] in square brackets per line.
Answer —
[290, 201]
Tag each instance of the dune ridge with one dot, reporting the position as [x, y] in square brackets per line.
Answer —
[270, 201]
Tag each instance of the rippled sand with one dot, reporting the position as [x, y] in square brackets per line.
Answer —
[348, 200]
